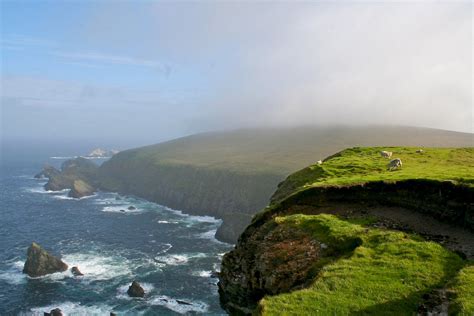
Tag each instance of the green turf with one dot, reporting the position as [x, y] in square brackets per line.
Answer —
[464, 292]
[361, 165]
[383, 273]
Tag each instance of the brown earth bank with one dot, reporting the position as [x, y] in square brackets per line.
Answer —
[438, 211]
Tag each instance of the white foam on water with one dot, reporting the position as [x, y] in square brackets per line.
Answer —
[121, 209]
[98, 267]
[14, 275]
[122, 291]
[166, 248]
[193, 218]
[203, 274]
[217, 267]
[71, 308]
[178, 259]
[167, 222]
[63, 157]
[211, 235]
[40, 189]
[181, 306]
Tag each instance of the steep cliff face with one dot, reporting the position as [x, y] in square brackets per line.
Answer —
[335, 263]
[228, 195]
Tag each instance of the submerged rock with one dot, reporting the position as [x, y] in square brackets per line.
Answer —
[76, 272]
[181, 302]
[81, 189]
[39, 262]
[136, 290]
[54, 312]
[131, 208]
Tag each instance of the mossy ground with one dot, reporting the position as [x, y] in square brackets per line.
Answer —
[464, 291]
[383, 273]
[361, 165]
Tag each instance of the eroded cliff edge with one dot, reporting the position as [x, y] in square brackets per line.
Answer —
[274, 257]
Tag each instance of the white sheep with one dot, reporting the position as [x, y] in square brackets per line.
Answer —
[420, 151]
[386, 154]
[319, 162]
[394, 164]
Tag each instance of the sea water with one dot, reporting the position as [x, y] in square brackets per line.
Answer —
[170, 253]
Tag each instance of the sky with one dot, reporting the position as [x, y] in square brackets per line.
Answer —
[140, 72]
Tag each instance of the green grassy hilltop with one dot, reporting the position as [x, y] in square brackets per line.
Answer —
[361, 165]
[358, 265]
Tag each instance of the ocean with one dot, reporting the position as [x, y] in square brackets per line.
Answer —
[170, 253]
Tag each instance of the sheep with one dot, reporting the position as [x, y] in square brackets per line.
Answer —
[386, 154]
[394, 164]
[319, 162]
[420, 151]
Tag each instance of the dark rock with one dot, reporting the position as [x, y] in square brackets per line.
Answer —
[136, 290]
[214, 274]
[76, 272]
[131, 208]
[71, 170]
[123, 211]
[39, 262]
[113, 314]
[81, 189]
[47, 172]
[54, 312]
[183, 302]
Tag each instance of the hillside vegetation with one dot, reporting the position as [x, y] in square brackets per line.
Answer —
[231, 175]
[361, 165]
[362, 258]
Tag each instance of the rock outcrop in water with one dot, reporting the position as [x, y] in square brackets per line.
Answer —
[39, 262]
[81, 189]
[54, 312]
[136, 290]
[47, 172]
[79, 175]
[76, 272]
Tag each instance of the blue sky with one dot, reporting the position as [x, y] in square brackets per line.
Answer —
[145, 71]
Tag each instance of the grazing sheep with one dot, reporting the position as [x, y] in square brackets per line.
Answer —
[319, 162]
[420, 151]
[394, 164]
[386, 154]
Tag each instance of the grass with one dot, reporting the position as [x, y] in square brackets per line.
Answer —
[283, 150]
[361, 165]
[464, 291]
[377, 272]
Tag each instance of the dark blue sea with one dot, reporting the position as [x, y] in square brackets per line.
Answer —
[170, 253]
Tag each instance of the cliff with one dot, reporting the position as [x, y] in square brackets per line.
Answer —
[231, 175]
[349, 236]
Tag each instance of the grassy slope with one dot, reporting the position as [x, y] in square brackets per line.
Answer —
[390, 271]
[360, 165]
[464, 291]
[283, 151]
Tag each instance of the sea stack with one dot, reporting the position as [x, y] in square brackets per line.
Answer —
[81, 189]
[39, 262]
[136, 290]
